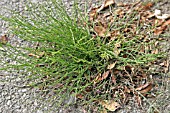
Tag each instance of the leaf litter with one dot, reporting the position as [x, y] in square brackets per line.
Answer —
[126, 81]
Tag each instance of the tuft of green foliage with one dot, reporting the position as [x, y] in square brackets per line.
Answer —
[67, 57]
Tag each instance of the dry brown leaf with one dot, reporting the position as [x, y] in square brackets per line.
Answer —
[111, 105]
[142, 49]
[126, 89]
[37, 56]
[159, 30]
[145, 88]
[106, 4]
[105, 75]
[111, 66]
[155, 51]
[120, 4]
[118, 11]
[143, 7]
[156, 43]
[93, 13]
[80, 96]
[114, 34]
[166, 23]
[3, 39]
[34, 55]
[148, 5]
[142, 87]
[101, 31]
[101, 77]
[116, 51]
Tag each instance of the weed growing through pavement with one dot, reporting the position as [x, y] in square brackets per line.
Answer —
[69, 57]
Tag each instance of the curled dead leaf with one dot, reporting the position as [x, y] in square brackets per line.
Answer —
[145, 88]
[111, 105]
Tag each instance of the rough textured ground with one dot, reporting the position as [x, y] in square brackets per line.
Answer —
[15, 99]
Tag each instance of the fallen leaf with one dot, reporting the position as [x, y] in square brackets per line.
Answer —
[155, 51]
[118, 11]
[111, 66]
[93, 13]
[105, 75]
[147, 6]
[120, 4]
[159, 30]
[101, 31]
[34, 55]
[3, 39]
[101, 77]
[145, 88]
[142, 87]
[106, 4]
[111, 105]
[126, 89]
[166, 23]
[80, 96]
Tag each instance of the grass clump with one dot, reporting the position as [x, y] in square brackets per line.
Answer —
[66, 59]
